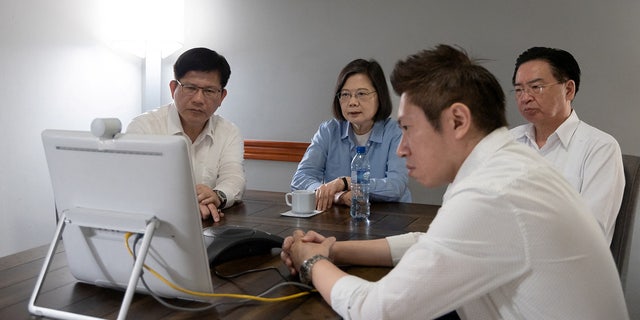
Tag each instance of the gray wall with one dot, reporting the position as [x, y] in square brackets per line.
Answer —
[285, 56]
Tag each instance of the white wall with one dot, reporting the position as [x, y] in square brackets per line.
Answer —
[285, 56]
[56, 73]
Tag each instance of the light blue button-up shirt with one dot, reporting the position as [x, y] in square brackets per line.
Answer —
[332, 148]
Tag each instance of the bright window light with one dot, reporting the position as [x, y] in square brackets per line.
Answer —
[138, 26]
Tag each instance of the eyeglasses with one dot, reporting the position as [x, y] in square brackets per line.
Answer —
[361, 95]
[533, 90]
[191, 90]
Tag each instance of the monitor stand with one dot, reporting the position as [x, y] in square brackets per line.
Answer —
[96, 219]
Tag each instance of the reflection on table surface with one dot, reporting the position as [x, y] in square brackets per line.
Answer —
[259, 209]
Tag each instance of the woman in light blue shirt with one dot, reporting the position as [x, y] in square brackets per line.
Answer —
[361, 107]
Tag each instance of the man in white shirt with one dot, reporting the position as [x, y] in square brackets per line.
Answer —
[512, 239]
[217, 148]
[546, 81]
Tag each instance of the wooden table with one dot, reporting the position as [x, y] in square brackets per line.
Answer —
[259, 209]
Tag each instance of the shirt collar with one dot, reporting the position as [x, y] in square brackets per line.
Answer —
[174, 126]
[524, 134]
[488, 146]
[377, 132]
[566, 130]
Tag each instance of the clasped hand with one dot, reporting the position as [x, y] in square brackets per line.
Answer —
[208, 202]
[301, 246]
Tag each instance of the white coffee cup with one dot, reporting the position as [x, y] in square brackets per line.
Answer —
[301, 201]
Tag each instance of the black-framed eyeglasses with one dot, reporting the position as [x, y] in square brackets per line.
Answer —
[191, 90]
[361, 95]
[532, 90]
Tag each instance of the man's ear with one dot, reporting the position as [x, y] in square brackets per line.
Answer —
[460, 118]
[173, 85]
[570, 91]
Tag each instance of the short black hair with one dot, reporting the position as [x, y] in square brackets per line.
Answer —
[202, 59]
[564, 66]
[373, 71]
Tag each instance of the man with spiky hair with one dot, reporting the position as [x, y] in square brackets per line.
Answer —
[512, 239]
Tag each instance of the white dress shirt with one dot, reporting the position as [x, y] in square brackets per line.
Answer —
[590, 160]
[217, 154]
[511, 241]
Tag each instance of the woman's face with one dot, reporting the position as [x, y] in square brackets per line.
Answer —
[359, 102]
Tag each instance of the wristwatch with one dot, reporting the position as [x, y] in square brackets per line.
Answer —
[223, 198]
[307, 265]
[346, 184]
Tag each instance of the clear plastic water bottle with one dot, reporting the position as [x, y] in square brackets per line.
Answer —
[360, 171]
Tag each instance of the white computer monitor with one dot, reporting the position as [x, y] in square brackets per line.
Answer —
[137, 175]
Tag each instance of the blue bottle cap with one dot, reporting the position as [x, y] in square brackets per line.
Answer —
[361, 149]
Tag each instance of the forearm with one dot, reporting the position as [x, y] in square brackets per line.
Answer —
[324, 277]
[362, 252]
[387, 189]
[308, 175]
[231, 178]
[233, 187]
[356, 252]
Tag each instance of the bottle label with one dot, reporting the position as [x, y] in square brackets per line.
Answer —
[362, 176]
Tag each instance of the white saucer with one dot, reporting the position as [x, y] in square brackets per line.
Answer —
[300, 215]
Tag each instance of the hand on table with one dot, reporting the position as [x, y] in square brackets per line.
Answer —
[326, 192]
[208, 202]
[345, 199]
[301, 246]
